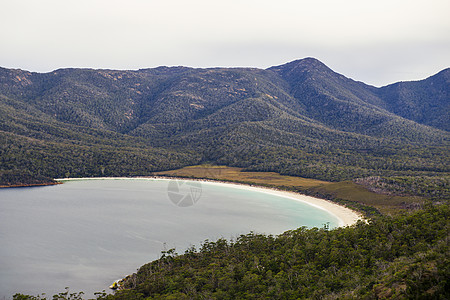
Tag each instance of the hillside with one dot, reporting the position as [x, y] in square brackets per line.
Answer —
[426, 101]
[300, 119]
[386, 149]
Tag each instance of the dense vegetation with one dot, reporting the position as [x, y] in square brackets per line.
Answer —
[299, 119]
[425, 102]
[12, 179]
[402, 257]
[434, 188]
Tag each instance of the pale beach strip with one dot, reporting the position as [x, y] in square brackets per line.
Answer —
[345, 216]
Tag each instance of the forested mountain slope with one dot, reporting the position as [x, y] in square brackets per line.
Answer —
[344, 104]
[426, 101]
[300, 118]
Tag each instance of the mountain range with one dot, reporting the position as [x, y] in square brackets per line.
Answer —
[300, 118]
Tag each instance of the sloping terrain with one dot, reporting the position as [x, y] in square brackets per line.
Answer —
[300, 118]
[426, 101]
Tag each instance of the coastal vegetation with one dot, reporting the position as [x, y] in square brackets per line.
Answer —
[400, 257]
[435, 188]
[299, 126]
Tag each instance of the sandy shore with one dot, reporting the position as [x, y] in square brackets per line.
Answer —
[345, 215]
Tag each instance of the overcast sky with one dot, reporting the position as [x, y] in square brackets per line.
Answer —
[378, 42]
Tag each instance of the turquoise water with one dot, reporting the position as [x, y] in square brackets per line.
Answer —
[86, 234]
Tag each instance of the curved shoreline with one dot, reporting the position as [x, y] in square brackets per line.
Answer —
[345, 216]
[28, 185]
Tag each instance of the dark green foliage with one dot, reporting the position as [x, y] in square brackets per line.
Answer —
[399, 258]
[298, 119]
[431, 187]
[333, 98]
[57, 160]
[402, 257]
[20, 178]
[61, 296]
[426, 102]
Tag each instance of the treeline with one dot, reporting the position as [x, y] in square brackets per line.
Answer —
[402, 257]
[21, 159]
[11, 178]
[93, 155]
[122, 123]
[434, 188]
[391, 258]
[325, 156]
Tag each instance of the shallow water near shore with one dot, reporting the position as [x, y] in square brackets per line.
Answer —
[85, 234]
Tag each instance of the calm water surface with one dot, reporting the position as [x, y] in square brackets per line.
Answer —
[86, 234]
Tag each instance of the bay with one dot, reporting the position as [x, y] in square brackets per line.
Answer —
[84, 234]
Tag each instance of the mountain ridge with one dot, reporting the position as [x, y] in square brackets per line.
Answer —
[302, 116]
[370, 96]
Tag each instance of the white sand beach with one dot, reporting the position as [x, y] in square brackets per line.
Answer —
[346, 216]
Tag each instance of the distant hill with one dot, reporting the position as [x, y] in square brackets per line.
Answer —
[300, 118]
[344, 104]
[426, 101]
